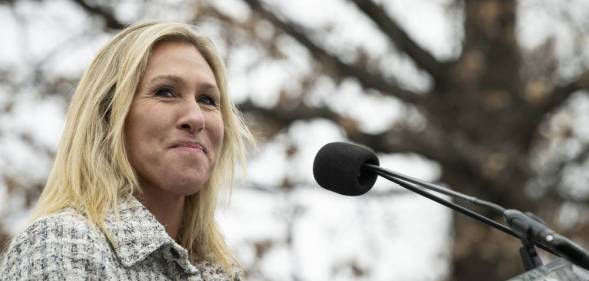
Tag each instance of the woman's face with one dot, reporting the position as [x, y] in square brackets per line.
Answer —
[174, 129]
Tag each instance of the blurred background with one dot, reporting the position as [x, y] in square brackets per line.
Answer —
[486, 96]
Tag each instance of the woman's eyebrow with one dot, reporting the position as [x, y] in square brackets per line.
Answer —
[208, 87]
[167, 77]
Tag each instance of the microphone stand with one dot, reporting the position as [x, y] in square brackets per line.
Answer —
[530, 230]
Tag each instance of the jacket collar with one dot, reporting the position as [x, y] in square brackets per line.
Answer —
[137, 233]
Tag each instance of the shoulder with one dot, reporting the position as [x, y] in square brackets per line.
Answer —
[67, 227]
[60, 246]
[56, 228]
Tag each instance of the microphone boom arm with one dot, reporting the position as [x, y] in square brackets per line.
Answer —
[439, 189]
[405, 183]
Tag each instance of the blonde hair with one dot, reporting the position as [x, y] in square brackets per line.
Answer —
[91, 170]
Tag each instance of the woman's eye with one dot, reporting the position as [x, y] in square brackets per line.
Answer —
[164, 92]
[207, 100]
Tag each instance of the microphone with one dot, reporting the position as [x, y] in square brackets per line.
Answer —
[340, 167]
[351, 170]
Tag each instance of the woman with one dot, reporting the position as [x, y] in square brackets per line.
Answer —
[150, 137]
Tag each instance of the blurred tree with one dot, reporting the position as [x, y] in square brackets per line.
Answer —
[490, 115]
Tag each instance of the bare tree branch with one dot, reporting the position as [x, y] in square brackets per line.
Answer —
[366, 79]
[286, 115]
[558, 96]
[401, 39]
[561, 93]
[7, 2]
[105, 13]
[430, 142]
[397, 140]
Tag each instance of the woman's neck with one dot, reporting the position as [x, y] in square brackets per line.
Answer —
[165, 207]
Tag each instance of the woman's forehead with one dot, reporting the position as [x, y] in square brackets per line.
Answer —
[178, 62]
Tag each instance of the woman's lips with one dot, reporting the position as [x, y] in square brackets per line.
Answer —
[190, 146]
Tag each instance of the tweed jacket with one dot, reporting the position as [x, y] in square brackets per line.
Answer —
[66, 246]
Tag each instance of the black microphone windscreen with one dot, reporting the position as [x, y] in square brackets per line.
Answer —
[338, 167]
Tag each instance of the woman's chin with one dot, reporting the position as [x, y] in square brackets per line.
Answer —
[187, 187]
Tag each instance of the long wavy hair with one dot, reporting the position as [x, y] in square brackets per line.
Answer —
[92, 172]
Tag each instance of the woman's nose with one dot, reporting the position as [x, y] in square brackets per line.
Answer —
[192, 117]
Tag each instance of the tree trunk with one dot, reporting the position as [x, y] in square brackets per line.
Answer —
[488, 109]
